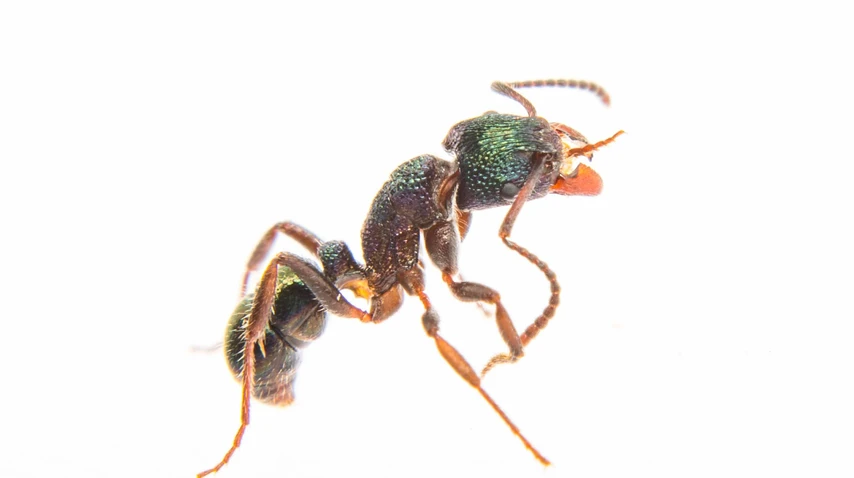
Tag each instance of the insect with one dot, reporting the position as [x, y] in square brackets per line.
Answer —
[499, 160]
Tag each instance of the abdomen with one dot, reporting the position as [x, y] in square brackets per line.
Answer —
[297, 320]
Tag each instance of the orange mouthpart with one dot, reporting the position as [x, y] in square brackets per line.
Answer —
[584, 181]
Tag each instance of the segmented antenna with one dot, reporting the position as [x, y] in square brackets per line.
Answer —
[507, 90]
[580, 84]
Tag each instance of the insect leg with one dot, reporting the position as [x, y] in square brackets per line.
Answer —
[463, 225]
[441, 242]
[504, 233]
[260, 314]
[294, 231]
[430, 320]
[323, 289]
[254, 326]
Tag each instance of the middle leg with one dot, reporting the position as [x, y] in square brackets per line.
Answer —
[414, 282]
[442, 243]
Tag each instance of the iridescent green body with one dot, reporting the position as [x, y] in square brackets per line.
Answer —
[493, 150]
[407, 203]
[297, 320]
[493, 156]
[499, 160]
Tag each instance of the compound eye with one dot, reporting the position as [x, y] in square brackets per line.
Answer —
[509, 191]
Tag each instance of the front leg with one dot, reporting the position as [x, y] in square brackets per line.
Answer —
[442, 245]
[504, 233]
[584, 181]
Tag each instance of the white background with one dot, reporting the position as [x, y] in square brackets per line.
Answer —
[705, 328]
